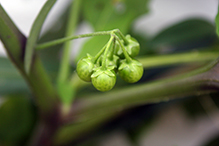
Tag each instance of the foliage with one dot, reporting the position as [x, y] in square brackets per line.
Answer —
[44, 101]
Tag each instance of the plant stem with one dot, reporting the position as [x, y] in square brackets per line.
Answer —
[71, 26]
[62, 40]
[162, 60]
[126, 42]
[127, 57]
[112, 51]
[106, 51]
[99, 53]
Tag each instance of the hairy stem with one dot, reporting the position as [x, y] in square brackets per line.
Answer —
[126, 42]
[69, 38]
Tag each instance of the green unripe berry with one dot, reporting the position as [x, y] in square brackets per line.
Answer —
[85, 68]
[132, 47]
[130, 72]
[103, 79]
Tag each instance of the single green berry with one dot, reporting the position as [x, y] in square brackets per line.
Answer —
[85, 68]
[132, 47]
[103, 79]
[130, 72]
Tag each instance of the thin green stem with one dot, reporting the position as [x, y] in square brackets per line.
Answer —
[73, 20]
[126, 42]
[127, 57]
[113, 49]
[69, 38]
[99, 53]
[106, 51]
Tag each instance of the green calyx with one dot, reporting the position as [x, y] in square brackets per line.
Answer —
[111, 61]
[132, 47]
[103, 79]
[85, 68]
[130, 72]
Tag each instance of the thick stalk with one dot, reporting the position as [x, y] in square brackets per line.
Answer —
[174, 59]
[198, 82]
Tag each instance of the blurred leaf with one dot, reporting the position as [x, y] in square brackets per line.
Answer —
[10, 80]
[16, 116]
[50, 56]
[184, 32]
[93, 46]
[107, 15]
[34, 33]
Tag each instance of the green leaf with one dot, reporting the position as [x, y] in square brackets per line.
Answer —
[10, 79]
[17, 119]
[34, 33]
[108, 15]
[12, 39]
[184, 32]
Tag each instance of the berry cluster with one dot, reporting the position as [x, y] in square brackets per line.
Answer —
[115, 57]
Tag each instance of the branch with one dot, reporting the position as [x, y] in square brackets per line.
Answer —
[198, 82]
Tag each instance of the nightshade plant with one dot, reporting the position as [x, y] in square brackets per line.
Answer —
[47, 104]
[103, 75]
